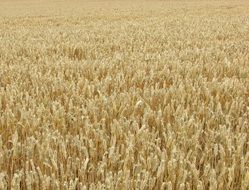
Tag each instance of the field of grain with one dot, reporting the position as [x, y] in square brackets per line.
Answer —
[124, 95]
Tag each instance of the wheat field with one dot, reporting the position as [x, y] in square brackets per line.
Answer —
[123, 95]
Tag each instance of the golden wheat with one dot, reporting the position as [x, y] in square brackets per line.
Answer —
[124, 95]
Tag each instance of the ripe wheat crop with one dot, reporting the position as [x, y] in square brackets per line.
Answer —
[124, 95]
